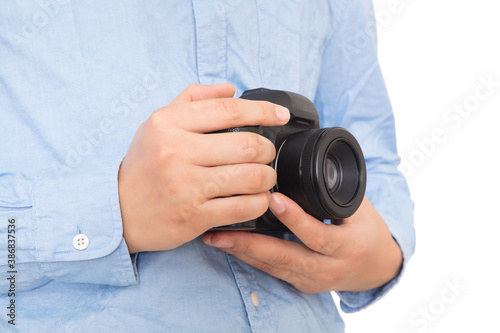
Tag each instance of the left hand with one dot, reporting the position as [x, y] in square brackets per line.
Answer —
[357, 255]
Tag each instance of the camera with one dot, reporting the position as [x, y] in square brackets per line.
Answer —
[321, 169]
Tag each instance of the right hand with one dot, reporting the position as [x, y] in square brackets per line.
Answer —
[176, 182]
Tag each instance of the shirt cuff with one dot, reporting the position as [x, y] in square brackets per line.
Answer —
[82, 201]
[118, 269]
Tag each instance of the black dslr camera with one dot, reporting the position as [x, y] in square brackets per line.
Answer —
[323, 170]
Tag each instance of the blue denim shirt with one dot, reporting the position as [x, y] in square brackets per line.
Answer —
[77, 78]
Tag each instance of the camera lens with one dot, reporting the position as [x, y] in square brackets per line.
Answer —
[323, 170]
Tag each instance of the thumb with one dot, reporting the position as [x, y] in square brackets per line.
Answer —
[316, 235]
[199, 92]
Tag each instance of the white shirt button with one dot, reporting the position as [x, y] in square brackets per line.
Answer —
[80, 242]
[255, 299]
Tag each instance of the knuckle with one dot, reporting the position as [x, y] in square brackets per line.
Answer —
[256, 178]
[193, 86]
[310, 264]
[281, 260]
[265, 111]
[192, 90]
[169, 150]
[295, 281]
[231, 110]
[163, 120]
[321, 244]
[266, 267]
[250, 147]
[156, 121]
[168, 153]
[244, 210]
[325, 277]
[244, 246]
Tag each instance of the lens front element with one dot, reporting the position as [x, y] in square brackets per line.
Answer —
[332, 173]
[324, 171]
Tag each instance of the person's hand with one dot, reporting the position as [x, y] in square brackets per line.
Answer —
[357, 255]
[176, 182]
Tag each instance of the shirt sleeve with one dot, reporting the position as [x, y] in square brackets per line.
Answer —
[49, 212]
[351, 93]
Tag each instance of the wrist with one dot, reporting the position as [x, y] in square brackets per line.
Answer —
[394, 261]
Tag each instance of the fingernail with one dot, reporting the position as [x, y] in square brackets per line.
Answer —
[277, 205]
[207, 238]
[282, 113]
[223, 243]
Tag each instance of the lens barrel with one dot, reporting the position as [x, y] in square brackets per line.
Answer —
[323, 170]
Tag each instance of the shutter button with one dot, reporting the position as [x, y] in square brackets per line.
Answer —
[80, 242]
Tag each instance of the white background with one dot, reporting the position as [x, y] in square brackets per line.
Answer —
[433, 54]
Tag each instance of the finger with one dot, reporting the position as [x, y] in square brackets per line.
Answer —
[270, 252]
[316, 235]
[232, 148]
[236, 179]
[199, 92]
[298, 281]
[224, 211]
[223, 113]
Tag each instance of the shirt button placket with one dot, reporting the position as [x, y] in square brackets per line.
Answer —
[211, 43]
[257, 313]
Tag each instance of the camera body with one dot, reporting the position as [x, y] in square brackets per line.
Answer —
[322, 170]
